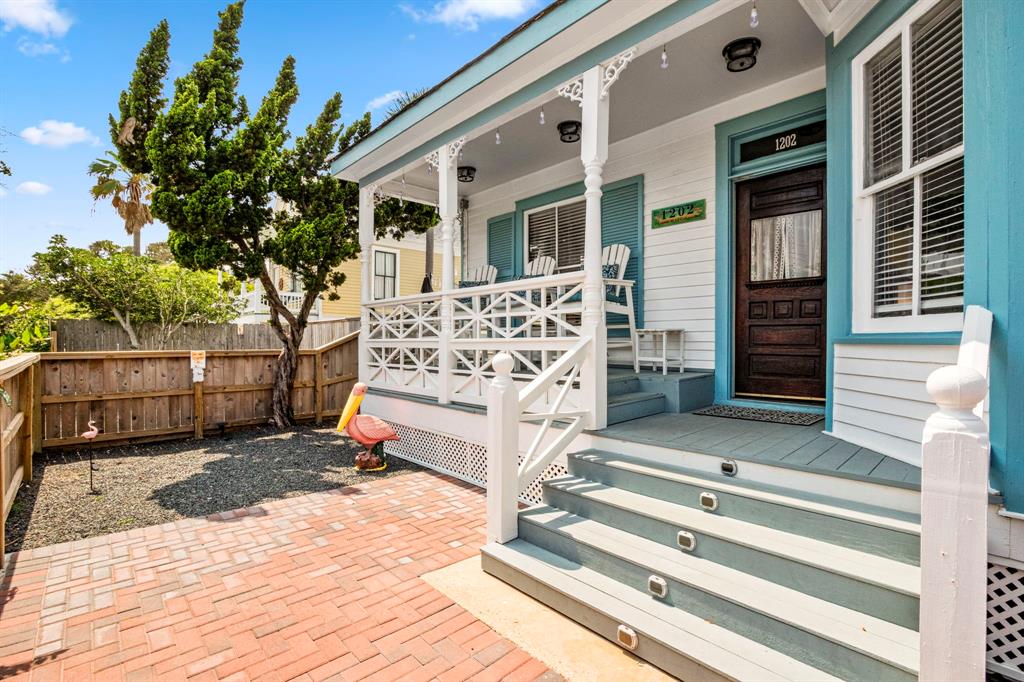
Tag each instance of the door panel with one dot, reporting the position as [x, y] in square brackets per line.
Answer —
[780, 286]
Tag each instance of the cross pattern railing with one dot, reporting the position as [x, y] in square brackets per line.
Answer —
[443, 345]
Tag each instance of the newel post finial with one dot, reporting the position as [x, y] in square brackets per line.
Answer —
[956, 389]
[502, 451]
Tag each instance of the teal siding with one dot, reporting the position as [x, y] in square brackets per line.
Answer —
[994, 230]
[501, 245]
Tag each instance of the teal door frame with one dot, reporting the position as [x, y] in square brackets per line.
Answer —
[729, 136]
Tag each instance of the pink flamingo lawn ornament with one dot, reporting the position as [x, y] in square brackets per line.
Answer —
[89, 436]
[370, 432]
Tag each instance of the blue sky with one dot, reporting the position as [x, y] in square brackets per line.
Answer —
[66, 61]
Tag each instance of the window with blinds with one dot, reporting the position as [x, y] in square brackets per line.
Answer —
[558, 232]
[913, 171]
[385, 274]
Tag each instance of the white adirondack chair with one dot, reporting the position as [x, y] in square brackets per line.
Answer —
[487, 274]
[618, 255]
[541, 266]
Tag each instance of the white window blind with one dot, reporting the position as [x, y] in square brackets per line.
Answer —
[913, 171]
[557, 232]
[385, 274]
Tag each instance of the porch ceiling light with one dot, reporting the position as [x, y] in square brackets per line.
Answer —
[569, 131]
[741, 54]
[466, 173]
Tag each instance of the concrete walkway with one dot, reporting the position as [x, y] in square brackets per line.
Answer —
[324, 586]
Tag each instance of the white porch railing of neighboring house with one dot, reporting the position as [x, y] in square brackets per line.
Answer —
[256, 302]
[954, 511]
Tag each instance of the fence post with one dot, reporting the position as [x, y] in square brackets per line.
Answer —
[197, 408]
[318, 387]
[954, 501]
[502, 452]
[37, 407]
[28, 408]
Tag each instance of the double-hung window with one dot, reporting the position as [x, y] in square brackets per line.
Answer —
[908, 253]
[557, 231]
[385, 274]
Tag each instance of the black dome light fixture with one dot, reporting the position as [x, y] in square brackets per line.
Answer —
[569, 131]
[741, 54]
[466, 173]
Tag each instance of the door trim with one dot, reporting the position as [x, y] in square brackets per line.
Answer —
[729, 135]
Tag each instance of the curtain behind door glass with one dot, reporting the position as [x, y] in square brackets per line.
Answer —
[786, 246]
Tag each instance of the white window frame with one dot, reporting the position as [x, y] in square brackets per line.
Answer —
[373, 270]
[547, 207]
[863, 204]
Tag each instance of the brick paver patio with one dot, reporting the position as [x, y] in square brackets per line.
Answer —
[324, 586]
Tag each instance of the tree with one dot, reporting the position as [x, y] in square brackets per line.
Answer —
[160, 252]
[404, 99]
[216, 167]
[110, 283]
[25, 325]
[4, 168]
[124, 176]
[16, 287]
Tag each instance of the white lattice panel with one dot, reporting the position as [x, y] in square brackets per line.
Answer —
[456, 457]
[1006, 620]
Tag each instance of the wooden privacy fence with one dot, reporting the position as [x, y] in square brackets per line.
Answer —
[135, 395]
[19, 379]
[95, 335]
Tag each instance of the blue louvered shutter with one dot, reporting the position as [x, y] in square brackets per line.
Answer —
[621, 223]
[501, 245]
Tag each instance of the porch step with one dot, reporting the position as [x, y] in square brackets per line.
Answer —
[884, 588]
[623, 407]
[885, 533]
[848, 644]
[688, 646]
[619, 384]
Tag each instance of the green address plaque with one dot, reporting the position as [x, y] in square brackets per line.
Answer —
[689, 212]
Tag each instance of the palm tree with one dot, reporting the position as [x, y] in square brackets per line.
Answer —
[129, 194]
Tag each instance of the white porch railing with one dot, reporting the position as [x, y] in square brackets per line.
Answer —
[507, 477]
[256, 302]
[410, 349]
[954, 512]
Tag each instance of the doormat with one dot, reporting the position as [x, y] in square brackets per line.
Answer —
[761, 415]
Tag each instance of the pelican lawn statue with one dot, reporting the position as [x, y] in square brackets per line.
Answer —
[370, 432]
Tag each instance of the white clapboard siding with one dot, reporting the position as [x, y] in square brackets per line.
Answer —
[879, 397]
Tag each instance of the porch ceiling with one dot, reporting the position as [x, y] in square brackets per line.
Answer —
[645, 96]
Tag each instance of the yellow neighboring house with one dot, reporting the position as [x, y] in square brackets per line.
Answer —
[396, 269]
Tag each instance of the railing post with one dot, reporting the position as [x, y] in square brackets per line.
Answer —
[502, 453]
[954, 501]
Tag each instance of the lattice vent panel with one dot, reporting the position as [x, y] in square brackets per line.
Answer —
[1006, 620]
[465, 460]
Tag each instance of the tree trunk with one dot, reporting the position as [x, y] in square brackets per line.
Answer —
[284, 378]
[137, 242]
[126, 325]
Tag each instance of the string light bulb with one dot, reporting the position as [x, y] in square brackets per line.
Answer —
[664, 57]
[497, 136]
[754, 19]
[541, 118]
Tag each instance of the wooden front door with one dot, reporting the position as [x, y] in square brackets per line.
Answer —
[780, 286]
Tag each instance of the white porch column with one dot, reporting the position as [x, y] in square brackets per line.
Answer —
[366, 238]
[594, 153]
[447, 208]
[954, 505]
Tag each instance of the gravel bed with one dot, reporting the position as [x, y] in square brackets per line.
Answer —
[149, 484]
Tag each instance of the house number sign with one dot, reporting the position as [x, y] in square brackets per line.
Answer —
[783, 141]
[689, 212]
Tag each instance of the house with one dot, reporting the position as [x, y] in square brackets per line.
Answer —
[397, 268]
[820, 201]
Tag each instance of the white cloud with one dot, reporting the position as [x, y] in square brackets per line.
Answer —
[469, 14]
[383, 100]
[31, 48]
[33, 187]
[38, 16]
[52, 133]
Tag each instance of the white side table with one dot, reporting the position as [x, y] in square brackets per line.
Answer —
[664, 359]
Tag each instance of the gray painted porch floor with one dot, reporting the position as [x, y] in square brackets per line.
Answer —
[786, 445]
